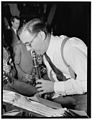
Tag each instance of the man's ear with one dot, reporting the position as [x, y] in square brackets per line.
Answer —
[41, 35]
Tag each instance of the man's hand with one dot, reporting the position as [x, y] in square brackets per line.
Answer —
[44, 86]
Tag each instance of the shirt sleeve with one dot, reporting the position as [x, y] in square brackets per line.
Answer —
[75, 53]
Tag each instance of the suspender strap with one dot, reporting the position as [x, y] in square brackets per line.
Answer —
[71, 71]
[62, 47]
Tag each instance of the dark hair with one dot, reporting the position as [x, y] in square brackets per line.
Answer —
[35, 26]
[14, 17]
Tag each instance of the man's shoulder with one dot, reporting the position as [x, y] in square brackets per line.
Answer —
[17, 47]
[74, 41]
[18, 44]
[10, 30]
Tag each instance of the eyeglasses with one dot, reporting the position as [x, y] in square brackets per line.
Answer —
[30, 43]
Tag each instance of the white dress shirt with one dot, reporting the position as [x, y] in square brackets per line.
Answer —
[14, 30]
[75, 54]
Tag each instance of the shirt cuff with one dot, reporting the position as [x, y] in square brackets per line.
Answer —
[59, 88]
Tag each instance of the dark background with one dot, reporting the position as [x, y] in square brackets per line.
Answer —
[70, 18]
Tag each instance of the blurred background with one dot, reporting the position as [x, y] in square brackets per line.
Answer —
[65, 18]
[72, 19]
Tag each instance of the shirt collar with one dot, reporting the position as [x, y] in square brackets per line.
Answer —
[14, 30]
[50, 45]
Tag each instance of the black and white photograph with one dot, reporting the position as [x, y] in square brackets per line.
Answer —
[46, 59]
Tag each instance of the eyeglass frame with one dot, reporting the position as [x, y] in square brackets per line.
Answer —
[29, 43]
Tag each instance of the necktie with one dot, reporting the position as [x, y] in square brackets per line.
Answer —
[58, 73]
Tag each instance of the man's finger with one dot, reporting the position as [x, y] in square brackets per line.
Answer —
[39, 81]
[38, 85]
[39, 89]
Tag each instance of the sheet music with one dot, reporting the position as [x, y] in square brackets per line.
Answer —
[20, 101]
[12, 112]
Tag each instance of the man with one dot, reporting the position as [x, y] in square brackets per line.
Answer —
[9, 80]
[15, 22]
[73, 84]
[11, 37]
[23, 62]
[22, 58]
[12, 84]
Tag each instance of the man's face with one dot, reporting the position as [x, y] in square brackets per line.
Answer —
[32, 41]
[16, 24]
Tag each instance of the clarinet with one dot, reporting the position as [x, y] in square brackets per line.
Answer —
[37, 73]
